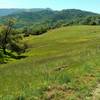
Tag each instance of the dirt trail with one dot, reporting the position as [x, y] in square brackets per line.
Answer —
[96, 93]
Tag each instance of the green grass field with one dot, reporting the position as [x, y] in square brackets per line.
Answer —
[63, 64]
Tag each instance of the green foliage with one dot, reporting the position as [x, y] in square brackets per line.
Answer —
[52, 18]
[5, 36]
[9, 38]
[1, 57]
[15, 47]
[40, 21]
[91, 20]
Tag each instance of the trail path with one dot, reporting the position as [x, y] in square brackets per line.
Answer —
[96, 93]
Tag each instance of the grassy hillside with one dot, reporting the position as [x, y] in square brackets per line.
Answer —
[63, 63]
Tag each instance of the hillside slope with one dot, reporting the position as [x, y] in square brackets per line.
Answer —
[31, 17]
[63, 63]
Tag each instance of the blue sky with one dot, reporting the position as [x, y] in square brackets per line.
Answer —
[89, 5]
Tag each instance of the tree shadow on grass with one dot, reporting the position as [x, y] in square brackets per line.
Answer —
[4, 58]
[3, 62]
[15, 56]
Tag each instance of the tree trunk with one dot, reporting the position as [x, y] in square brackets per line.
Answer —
[4, 50]
[5, 39]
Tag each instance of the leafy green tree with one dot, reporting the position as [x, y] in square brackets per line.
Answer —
[9, 38]
[6, 35]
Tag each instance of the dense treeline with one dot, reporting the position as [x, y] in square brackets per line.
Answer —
[36, 22]
[90, 20]
[41, 28]
[48, 16]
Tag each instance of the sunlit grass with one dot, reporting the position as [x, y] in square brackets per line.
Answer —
[40, 75]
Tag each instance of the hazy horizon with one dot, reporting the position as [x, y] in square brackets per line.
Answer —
[53, 9]
[87, 5]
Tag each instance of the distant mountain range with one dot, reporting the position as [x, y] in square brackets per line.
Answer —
[26, 17]
[5, 12]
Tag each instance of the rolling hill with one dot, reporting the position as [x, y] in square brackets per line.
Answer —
[63, 63]
[51, 17]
